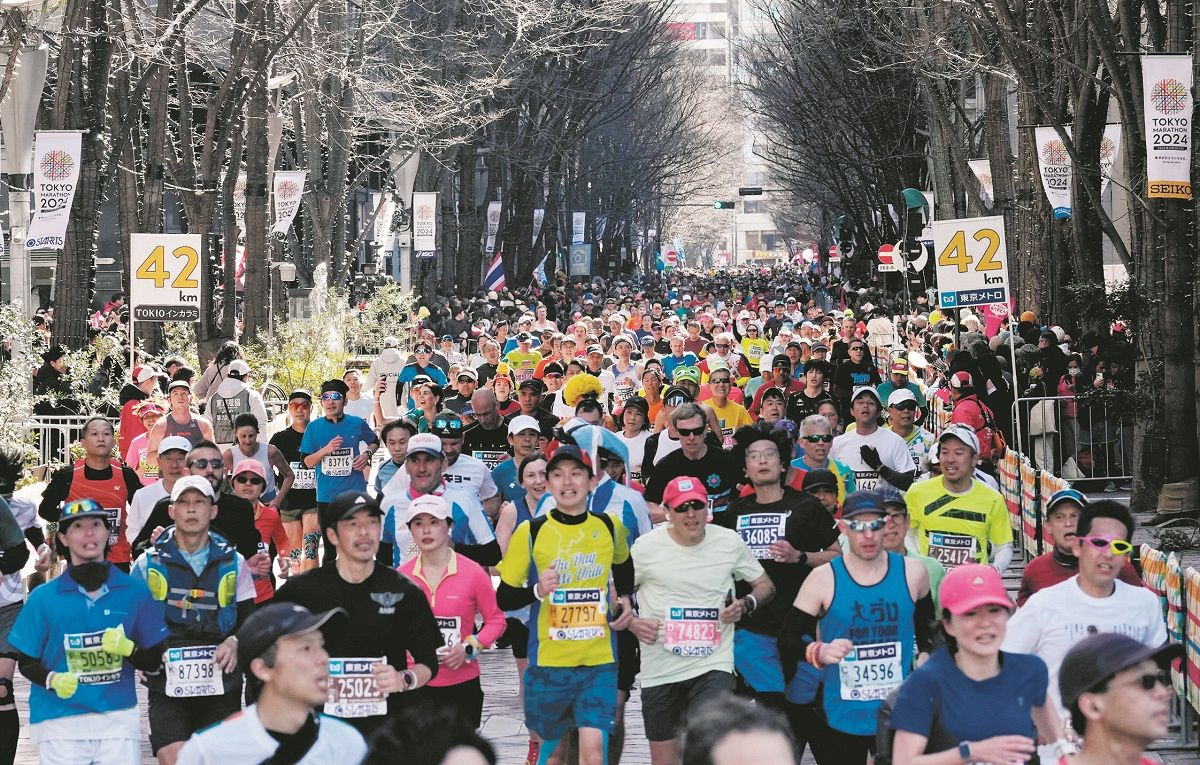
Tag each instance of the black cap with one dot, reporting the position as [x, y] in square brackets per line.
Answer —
[300, 393]
[781, 362]
[822, 478]
[533, 383]
[345, 505]
[273, 621]
[674, 392]
[1094, 660]
[335, 386]
[553, 368]
[524, 337]
[572, 453]
[55, 353]
[773, 392]
[637, 402]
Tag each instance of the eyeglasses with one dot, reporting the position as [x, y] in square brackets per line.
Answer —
[896, 516]
[80, 506]
[688, 507]
[1149, 680]
[244, 478]
[300, 405]
[331, 396]
[443, 423]
[861, 526]
[907, 406]
[204, 464]
[692, 431]
[819, 439]
[1114, 545]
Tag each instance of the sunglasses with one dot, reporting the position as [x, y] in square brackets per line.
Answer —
[331, 396]
[1115, 546]
[552, 375]
[856, 348]
[688, 507]
[721, 345]
[825, 439]
[1150, 679]
[718, 381]
[907, 406]
[243, 478]
[692, 431]
[79, 506]
[861, 526]
[204, 464]
[300, 405]
[442, 423]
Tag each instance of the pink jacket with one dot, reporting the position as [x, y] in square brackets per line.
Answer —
[464, 591]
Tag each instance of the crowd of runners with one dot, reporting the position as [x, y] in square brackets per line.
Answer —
[762, 501]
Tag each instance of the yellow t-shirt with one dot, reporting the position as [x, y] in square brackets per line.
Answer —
[523, 364]
[731, 416]
[954, 529]
[754, 350]
[571, 623]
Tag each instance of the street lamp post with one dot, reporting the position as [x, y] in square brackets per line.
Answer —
[18, 113]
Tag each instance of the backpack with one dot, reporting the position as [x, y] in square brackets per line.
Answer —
[997, 442]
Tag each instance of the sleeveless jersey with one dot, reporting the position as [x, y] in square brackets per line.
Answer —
[189, 430]
[261, 456]
[113, 496]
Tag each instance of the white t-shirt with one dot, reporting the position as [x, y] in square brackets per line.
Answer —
[12, 586]
[1058, 617]
[893, 452]
[242, 738]
[467, 472]
[637, 449]
[140, 507]
[363, 407]
[684, 588]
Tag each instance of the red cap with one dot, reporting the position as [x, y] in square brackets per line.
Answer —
[684, 489]
[968, 587]
[961, 379]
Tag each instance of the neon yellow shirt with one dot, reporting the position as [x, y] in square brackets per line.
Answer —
[954, 529]
[731, 416]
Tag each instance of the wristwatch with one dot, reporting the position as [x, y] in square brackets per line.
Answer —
[964, 751]
[803, 558]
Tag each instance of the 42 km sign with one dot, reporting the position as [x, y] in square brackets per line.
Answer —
[972, 262]
[165, 283]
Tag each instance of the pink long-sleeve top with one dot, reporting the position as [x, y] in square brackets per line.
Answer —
[464, 591]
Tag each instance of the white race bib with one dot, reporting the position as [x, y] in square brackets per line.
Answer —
[306, 477]
[691, 631]
[760, 530]
[192, 672]
[338, 463]
[353, 690]
[951, 550]
[451, 629]
[870, 672]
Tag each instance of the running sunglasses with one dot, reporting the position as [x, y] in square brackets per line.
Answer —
[1150, 679]
[204, 464]
[861, 526]
[818, 439]
[687, 507]
[675, 401]
[1115, 546]
[243, 478]
[692, 431]
[331, 396]
[81, 507]
[442, 423]
[721, 345]
[908, 406]
[300, 405]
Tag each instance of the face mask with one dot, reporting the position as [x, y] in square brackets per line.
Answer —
[90, 575]
[1073, 371]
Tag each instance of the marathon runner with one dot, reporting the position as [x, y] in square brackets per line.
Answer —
[816, 441]
[181, 420]
[902, 413]
[695, 457]
[561, 564]
[859, 621]
[203, 588]
[282, 652]
[172, 465]
[279, 475]
[388, 619]
[395, 437]
[248, 482]
[487, 439]
[148, 412]
[956, 518]
[683, 574]
[298, 510]
[524, 434]
[874, 454]
[80, 639]
[338, 446]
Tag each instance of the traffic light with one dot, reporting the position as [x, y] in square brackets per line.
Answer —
[722, 205]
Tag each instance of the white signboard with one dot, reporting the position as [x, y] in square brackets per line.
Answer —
[55, 176]
[424, 221]
[972, 262]
[165, 279]
[1167, 91]
[578, 226]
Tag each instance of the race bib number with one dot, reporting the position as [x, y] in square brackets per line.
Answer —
[865, 479]
[306, 478]
[451, 629]
[577, 614]
[146, 469]
[760, 530]
[87, 658]
[338, 464]
[192, 672]
[754, 353]
[353, 690]
[114, 525]
[689, 631]
[951, 549]
[490, 458]
[870, 672]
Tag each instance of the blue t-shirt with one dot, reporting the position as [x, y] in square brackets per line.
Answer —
[670, 363]
[940, 685]
[505, 477]
[61, 626]
[386, 472]
[335, 472]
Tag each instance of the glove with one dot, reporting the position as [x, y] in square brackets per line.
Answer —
[115, 642]
[64, 684]
[870, 455]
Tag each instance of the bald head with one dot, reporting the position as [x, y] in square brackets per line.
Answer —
[487, 412]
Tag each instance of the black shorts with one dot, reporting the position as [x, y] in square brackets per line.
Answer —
[517, 635]
[175, 720]
[629, 660]
[463, 699]
[665, 708]
[8, 617]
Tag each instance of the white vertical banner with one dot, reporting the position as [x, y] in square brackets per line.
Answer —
[383, 223]
[1167, 89]
[539, 216]
[1110, 144]
[1054, 165]
[983, 171]
[424, 221]
[493, 225]
[289, 187]
[239, 202]
[578, 226]
[56, 160]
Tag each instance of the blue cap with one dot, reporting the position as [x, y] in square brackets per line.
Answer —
[861, 503]
[1065, 495]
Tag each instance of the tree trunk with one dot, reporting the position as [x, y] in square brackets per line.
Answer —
[256, 302]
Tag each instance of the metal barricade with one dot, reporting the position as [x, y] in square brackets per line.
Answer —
[1076, 439]
[54, 434]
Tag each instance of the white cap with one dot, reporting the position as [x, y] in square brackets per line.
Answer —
[238, 366]
[865, 389]
[900, 395]
[174, 442]
[963, 433]
[197, 482]
[523, 422]
[391, 342]
[427, 504]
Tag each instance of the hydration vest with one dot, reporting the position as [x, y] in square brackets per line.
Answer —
[198, 609]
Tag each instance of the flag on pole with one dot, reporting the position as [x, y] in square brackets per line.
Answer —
[539, 273]
[495, 273]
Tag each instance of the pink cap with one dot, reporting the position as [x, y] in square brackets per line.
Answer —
[250, 466]
[968, 587]
[684, 489]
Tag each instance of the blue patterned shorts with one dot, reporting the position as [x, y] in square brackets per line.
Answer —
[559, 699]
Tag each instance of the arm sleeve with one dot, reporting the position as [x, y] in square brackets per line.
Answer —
[148, 659]
[486, 554]
[13, 559]
[36, 537]
[923, 619]
[424, 638]
[798, 630]
[33, 669]
[1002, 556]
[901, 480]
[132, 481]
[55, 493]
[623, 576]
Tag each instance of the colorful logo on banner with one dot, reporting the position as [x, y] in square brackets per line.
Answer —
[289, 188]
[1167, 84]
[55, 176]
[239, 202]
[1055, 168]
[424, 217]
[493, 226]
